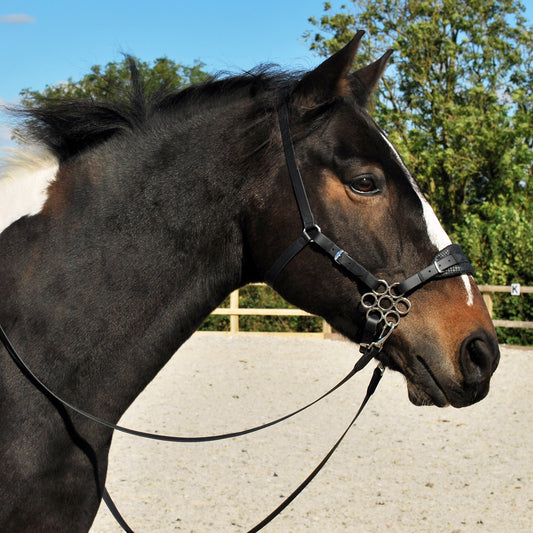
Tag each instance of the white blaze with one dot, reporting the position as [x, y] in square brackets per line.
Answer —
[24, 180]
[435, 231]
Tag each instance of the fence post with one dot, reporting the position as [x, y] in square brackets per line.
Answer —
[234, 306]
[487, 298]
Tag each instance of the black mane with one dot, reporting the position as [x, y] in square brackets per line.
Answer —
[70, 125]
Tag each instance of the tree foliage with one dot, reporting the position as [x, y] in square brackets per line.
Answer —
[109, 81]
[457, 101]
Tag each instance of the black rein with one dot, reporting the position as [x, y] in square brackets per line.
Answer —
[378, 372]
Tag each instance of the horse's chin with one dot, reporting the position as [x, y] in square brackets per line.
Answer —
[426, 396]
[423, 387]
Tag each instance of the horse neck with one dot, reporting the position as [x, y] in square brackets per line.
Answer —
[129, 254]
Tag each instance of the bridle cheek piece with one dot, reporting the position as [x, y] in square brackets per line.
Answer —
[385, 304]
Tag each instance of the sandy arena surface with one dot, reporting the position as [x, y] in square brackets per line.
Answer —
[401, 468]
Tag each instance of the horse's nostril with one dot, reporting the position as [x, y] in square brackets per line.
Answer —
[479, 358]
[477, 352]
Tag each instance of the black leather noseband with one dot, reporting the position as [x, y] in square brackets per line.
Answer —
[386, 303]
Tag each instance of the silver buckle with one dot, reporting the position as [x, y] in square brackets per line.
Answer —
[314, 227]
[338, 255]
[437, 267]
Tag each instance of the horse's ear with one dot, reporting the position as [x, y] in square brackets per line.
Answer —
[364, 80]
[330, 78]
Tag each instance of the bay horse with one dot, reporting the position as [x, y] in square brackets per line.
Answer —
[139, 216]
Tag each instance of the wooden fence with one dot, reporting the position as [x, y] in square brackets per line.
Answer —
[234, 312]
[488, 290]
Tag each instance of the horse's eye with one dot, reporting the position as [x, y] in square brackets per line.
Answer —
[364, 185]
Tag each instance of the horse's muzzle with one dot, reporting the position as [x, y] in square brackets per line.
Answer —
[430, 382]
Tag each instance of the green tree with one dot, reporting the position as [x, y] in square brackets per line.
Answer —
[105, 83]
[457, 101]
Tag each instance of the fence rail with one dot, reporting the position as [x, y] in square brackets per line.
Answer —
[487, 290]
[234, 311]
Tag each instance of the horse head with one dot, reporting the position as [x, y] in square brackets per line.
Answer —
[363, 198]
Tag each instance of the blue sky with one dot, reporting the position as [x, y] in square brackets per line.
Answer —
[46, 42]
[51, 41]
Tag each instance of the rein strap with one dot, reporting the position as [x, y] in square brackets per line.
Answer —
[376, 377]
[154, 436]
[363, 361]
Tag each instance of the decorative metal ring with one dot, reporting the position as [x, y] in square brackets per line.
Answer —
[377, 313]
[392, 317]
[394, 290]
[369, 300]
[402, 306]
[382, 284]
[386, 302]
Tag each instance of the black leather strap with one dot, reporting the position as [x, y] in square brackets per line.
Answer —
[374, 381]
[306, 214]
[154, 436]
[344, 260]
[450, 261]
[115, 512]
[341, 257]
[288, 254]
[370, 330]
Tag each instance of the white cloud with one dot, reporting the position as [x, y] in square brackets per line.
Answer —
[17, 18]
